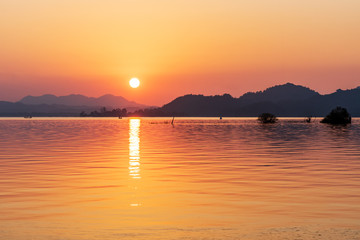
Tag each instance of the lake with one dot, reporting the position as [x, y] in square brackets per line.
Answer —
[202, 178]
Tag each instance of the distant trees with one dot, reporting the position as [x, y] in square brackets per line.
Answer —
[267, 118]
[338, 115]
[118, 112]
[153, 112]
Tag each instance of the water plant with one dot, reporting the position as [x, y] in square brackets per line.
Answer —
[338, 115]
[267, 118]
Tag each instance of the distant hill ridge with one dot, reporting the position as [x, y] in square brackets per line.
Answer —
[107, 100]
[282, 100]
[279, 93]
[287, 100]
[70, 105]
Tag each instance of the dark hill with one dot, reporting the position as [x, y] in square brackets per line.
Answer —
[109, 101]
[199, 105]
[71, 105]
[19, 109]
[282, 100]
[278, 93]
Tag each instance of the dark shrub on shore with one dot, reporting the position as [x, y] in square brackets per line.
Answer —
[338, 115]
[267, 118]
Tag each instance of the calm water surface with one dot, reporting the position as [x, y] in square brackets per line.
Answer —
[200, 179]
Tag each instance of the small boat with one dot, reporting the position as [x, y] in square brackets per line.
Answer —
[28, 116]
[120, 117]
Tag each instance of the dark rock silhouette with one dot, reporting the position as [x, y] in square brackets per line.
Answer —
[267, 118]
[338, 115]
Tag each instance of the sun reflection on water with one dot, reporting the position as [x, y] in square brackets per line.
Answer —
[134, 148]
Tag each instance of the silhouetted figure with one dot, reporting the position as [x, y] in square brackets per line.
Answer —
[220, 117]
[172, 121]
[338, 115]
[267, 118]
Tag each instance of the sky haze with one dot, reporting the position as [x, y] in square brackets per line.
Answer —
[176, 47]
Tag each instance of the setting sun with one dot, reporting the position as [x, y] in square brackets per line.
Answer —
[134, 82]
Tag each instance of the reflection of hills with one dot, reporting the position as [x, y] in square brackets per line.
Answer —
[283, 100]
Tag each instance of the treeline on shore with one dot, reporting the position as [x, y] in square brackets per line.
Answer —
[118, 112]
[338, 115]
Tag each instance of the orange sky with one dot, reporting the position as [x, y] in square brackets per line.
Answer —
[176, 47]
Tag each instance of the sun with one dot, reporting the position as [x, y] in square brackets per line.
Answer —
[134, 83]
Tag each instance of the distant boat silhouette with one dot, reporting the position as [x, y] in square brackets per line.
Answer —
[28, 116]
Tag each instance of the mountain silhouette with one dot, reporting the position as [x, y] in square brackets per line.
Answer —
[287, 100]
[70, 105]
[282, 100]
[109, 101]
[278, 93]
[250, 104]
[18, 109]
[200, 105]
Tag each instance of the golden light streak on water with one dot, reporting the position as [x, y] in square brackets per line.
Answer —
[134, 148]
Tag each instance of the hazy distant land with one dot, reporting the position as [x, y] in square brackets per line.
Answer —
[286, 100]
[64, 106]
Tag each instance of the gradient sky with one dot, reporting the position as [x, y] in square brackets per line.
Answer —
[176, 47]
